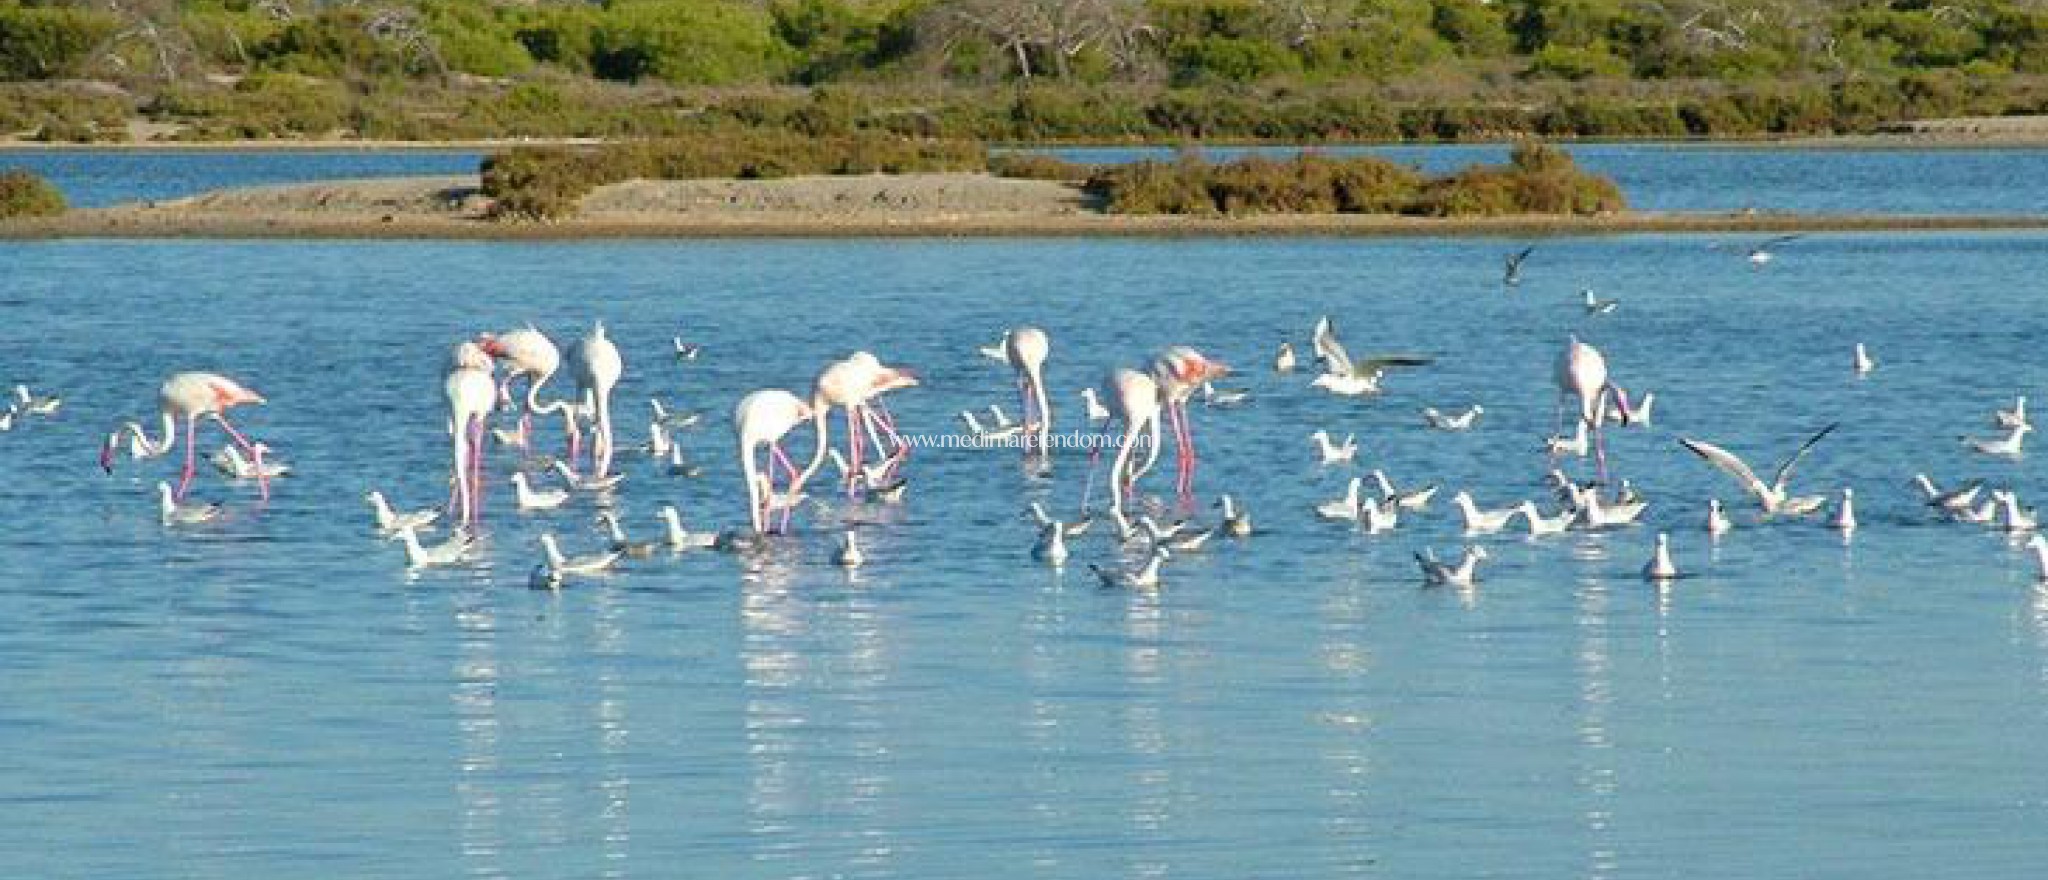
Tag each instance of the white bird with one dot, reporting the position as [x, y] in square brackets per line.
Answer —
[1540, 525]
[1660, 567]
[231, 462]
[1146, 577]
[1464, 574]
[1761, 254]
[1178, 539]
[1414, 499]
[976, 428]
[1237, 522]
[875, 474]
[1223, 398]
[2013, 518]
[1983, 515]
[2012, 418]
[1595, 513]
[658, 441]
[1379, 517]
[685, 351]
[34, 405]
[1051, 547]
[1596, 306]
[175, 513]
[1097, 413]
[1461, 422]
[679, 467]
[1844, 520]
[1718, 523]
[1335, 453]
[1347, 378]
[587, 564]
[1954, 500]
[389, 521]
[1483, 522]
[1073, 529]
[847, 554]
[527, 498]
[2039, 545]
[7, 417]
[999, 351]
[617, 533]
[1862, 362]
[1632, 412]
[2008, 446]
[1772, 495]
[1283, 360]
[1345, 508]
[1578, 445]
[679, 538]
[1001, 419]
[581, 483]
[419, 555]
[675, 419]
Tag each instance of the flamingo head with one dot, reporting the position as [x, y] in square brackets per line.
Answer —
[892, 378]
[1186, 366]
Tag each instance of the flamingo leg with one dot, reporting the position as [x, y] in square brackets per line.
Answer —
[853, 444]
[790, 468]
[1027, 406]
[880, 413]
[191, 444]
[476, 471]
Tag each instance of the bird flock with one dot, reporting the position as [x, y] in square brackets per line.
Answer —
[509, 377]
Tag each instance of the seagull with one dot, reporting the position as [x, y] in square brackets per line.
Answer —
[1347, 378]
[675, 419]
[34, 405]
[1224, 398]
[677, 467]
[975, 427]
[1345, 508]
[1511, 271]
[1283, 361]
[230, 461]
[389, 521]
[847, 554]
[1577, 445]
[658, 442]
[1237, 522]
[999, 351]
[1660, 567]
[7, 419]
[1844, 520]
[563, 566]
[1718, 523]
[1175, 539]
[1483, 522]
[1097, 413]
[419, 555]
[526, 498]
[875, 474]
[685, 351]
[1862, 361]
[1539, 525]
[617, 533]
[1464, 574]
[1954, 500]
[174, 513]
[580, 483]
[2006, 447]
[886, 492]
[1416, 499]
[1771, 495]
[1379, 517]
[1761, 254]
[1597, 514]
[1073, 529]
[679, 539]
[2039, 545]
[1051, 547]
[1145, 578]
[1460, 422]
[2015, 518]
[1631, 411]
[1982, 515]
[512, 437]
[1335, 453]
[1596, 306]
[2012, 418]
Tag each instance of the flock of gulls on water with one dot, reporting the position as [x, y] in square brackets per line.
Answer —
[1140, 402]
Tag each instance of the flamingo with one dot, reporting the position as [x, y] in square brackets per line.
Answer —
[1026, 348]
[471, 392]
[597, 367]
[850, 385]
[189, 396]
[1180, 371]
[763, 418]
[1582, 373]
[531, 355]
[1135, 401]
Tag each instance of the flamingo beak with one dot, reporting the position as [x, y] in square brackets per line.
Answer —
[490, 345]
[900, 378]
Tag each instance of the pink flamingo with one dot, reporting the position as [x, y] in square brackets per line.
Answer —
[853, 385]
[763, 418]
[1180, 372]
[471, 394]
[1134, 400]
[1026, 349]
[597, 367]
[189, 396]
[1582, 372]
[531, 355]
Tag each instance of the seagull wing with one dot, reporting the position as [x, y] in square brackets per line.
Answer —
[1774, 242]
[1728, 463]
[1515, 260]
[1785, 470]
[1371, 368]
[1335, 359]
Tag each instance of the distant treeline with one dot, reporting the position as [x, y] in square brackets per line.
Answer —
[1017, 69]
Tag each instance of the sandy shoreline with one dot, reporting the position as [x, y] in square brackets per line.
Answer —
[920, 205]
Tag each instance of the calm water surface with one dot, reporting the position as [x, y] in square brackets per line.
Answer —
[274, 696]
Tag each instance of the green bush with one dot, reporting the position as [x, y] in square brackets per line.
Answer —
[39, 42]
[23, 194]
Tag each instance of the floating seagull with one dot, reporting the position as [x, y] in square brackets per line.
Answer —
[870, 474]
[1771, 495]
[34, 405]
[174, 513]
[1237, 522]
[1660, 567]
[230, 461]
[1761, 253]
[675, 419]
[888, 492]
[1483, 522]
[679, 539]
[1335, 453]
[526, 498]
[1577, 446]
[1283, 361]
[2007, 446]
[617, 533]
[1718, 523]
[1983, 515]
[1511, 270]
[2012, 418]
[419, 555]
[1595, 306]
[678, 467]
[1097, 413]
[581, 483]
[1345, 508]
[1844, 520]
[1597, 514]
[1144, 578]
[999, 351]
[1347, 378]
[1051, 547]
[1379, 517]
[1460, 422]
[847, 554]
[2039, 545]
[389, 521]
[658, 443]
[1417, 499]
[1176, 539]
[685, 351]
[7, 419]
[1073, 529]
[2014, 518]
[1223, 398]
[1862, 362]
[1954, 500]
[1631, 411]
[1437, 573]
[1539, 525]
[587, 564]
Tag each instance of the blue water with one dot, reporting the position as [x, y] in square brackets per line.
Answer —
[94, 179]
[274, 696]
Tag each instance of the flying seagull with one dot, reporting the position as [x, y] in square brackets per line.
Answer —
[1512, 274]
[1772, 495]
[1348, 378]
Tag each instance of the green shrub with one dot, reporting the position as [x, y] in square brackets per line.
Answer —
[23, 194]
[39, 42]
